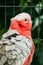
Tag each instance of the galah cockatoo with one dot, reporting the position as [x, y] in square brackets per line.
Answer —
[21, 25]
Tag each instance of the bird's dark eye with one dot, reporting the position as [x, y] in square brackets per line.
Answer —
[25, 20]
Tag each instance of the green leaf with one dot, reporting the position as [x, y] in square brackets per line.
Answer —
[38, 7]
[41, 17]
[36, 41]
[36, 23]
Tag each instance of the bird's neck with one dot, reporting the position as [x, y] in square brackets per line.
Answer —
[23, 28]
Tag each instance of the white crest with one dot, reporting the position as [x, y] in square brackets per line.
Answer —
[22, 16]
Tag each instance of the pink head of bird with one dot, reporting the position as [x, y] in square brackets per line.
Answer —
[22, 17]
